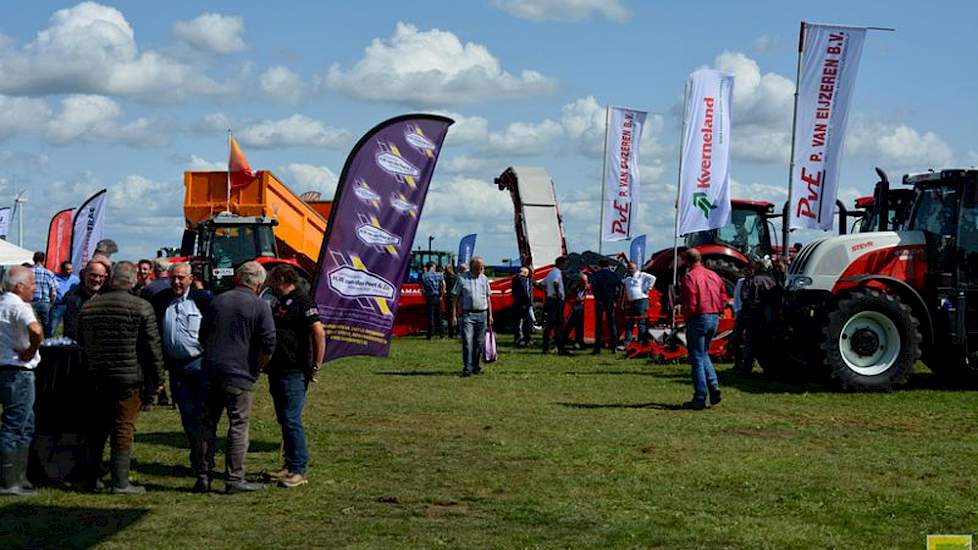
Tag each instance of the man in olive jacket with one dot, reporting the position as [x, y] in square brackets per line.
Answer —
[119, 335]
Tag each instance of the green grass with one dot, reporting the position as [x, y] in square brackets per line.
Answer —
[546, 451]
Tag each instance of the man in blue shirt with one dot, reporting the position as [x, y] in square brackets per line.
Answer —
[180, 312]
[433, 284]
[45, 292]
[474, 304]
[66, 280]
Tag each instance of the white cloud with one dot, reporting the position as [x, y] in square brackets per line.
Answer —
[486, 210]
[524, 138]
[281, 84]
[972, 158]
[308, 177]
[91, 49]
[294, 131]
[431, 68]
[466, 130]
[897, 145]
[200, 164]
[95, 118]
[18, 114]
[765, 43]
[212, 32]
[564, 10]
[467, 165]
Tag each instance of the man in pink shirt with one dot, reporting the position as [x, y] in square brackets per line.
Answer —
[703, 297]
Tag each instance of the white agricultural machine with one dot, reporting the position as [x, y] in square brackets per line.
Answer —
[863, 308]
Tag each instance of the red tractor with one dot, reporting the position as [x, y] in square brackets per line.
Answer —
[861, 309]
[727, 251]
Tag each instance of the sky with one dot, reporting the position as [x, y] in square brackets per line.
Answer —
[128, 95]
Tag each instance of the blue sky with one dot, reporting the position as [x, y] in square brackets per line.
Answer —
[128, 95]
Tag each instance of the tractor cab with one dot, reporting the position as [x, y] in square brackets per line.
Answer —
[886, 210]
[748, 232]
[221, 244]
[419, 258]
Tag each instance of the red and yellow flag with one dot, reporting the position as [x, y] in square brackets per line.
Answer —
[241, 172]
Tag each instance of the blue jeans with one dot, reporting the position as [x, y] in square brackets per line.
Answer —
[57, 314]
[636, 313]
[188, 389]
[700, 330]
[42, 309]
[289, 395]
[17, 399]
[473, 340]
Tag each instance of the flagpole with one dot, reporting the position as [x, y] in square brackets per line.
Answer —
[679, 186]
[604, 175]
[786, 222]
[229, 173]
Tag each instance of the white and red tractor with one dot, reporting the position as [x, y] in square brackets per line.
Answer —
[862, 309]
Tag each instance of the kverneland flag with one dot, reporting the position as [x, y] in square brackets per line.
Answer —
[829, 62]
[620, 180]
[704, 176]
[367, 246]
[87, 229]
[4, 221]
[59, 240]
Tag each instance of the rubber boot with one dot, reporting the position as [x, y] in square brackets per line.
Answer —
[10, 475]
[119, 466]
[23, 457]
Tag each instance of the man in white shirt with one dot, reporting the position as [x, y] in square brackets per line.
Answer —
[20, 338]
[637, 286]
[553, 307]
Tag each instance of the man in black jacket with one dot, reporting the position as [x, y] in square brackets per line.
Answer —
[122, 348]
[523, 303]
[180, 312]
[92, 279]
[239, 338]
[299, 351]
[606, 287]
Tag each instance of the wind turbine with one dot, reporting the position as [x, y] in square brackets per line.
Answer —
[21, 199]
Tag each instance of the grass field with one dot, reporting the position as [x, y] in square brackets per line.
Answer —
[546, 451]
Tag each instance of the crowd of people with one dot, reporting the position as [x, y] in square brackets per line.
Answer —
[703, 298]
[138, 325]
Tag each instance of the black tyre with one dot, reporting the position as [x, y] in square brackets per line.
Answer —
[872, 341]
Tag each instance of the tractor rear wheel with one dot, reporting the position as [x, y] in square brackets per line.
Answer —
[871, 341]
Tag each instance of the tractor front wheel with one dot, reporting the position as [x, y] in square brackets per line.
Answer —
[871, 341]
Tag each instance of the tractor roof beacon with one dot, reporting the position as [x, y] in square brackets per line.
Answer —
[863, 308]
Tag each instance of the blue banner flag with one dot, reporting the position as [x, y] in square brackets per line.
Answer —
[465, 248]
[637, 252]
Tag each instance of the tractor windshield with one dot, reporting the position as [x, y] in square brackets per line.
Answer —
[936, 210]
[232, 245]
[747, 232]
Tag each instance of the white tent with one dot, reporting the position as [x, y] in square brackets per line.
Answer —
[11, 254]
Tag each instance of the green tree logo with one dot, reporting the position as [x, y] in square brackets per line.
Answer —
[701, 201]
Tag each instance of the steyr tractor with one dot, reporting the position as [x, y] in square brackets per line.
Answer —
[863, 308]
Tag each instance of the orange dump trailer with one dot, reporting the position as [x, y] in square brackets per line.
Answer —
[263, 220]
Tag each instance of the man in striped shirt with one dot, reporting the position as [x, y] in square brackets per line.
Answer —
[45, 293]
